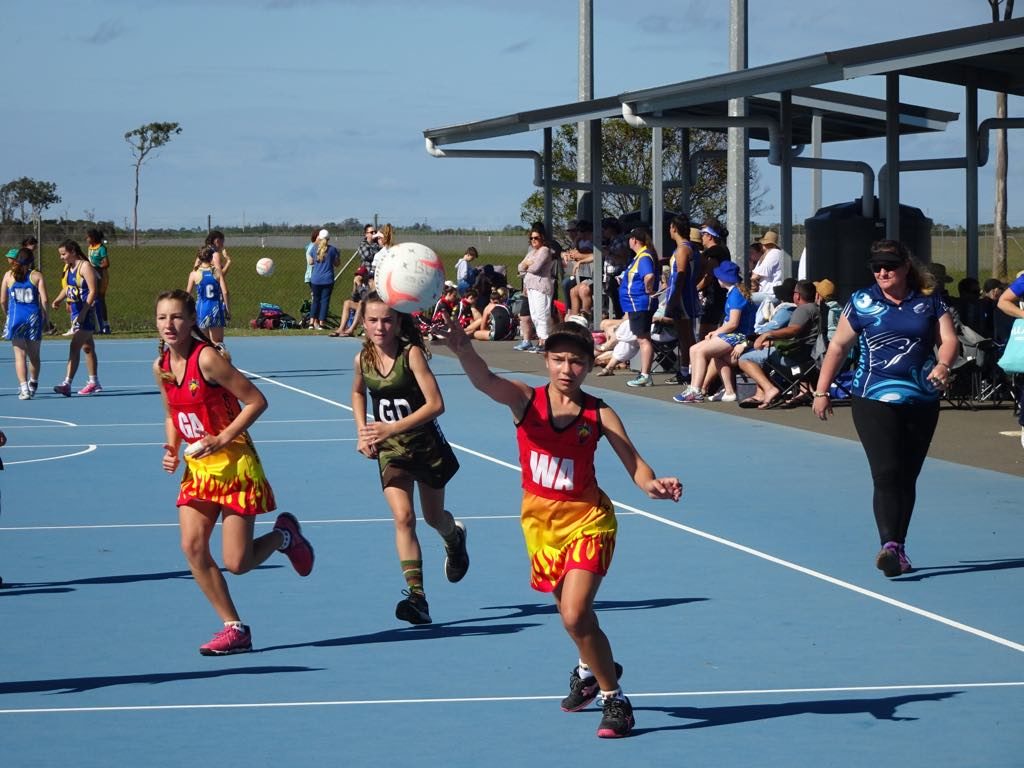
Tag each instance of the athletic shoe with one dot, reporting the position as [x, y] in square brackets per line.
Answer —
[457, 561]
[642, 380]
[679, 377]
[413, 608]
[721, 396]
[25, 394]
[888, 559]
[689, 395]
[32, 387]
[523, 346]
[63, 389]
[69, 332]
[299, 550]
[229, 640]
[582, 691]
[92, 388]
[905, 565]
[535, 349]
[617, 720]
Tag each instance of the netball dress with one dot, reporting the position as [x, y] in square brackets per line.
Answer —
[24, 315]
[231, 477]
[78, 295]
[209, 301]
[568, 521]
[422, 453]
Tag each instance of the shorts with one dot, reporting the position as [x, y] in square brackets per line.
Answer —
[640, 322]
[423, 456]
[732, 339]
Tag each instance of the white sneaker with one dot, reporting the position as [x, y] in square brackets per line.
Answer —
[721, 396]
[24, 395]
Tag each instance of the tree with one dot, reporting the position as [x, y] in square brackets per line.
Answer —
[36, 195]
[626, 161]
[144, 140]
[999, 269]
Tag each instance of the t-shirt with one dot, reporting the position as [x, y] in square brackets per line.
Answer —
[806, 317]
[748, 310]
[633, 295]
[897, 344]
[769, 268]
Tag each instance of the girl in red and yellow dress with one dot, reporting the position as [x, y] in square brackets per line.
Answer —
[568, 522]
[210, 406]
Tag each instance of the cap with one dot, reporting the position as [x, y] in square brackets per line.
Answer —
[323, 234]
[362, 271]
[729, 272]
[710, 231]
[574, 333]
[939, 273]
[784, 290]
[825, 288]
[450, 284]
[12, 254]
[991, 284]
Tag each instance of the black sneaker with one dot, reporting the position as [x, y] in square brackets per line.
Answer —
[678, 378]
[413, 608]
[457, 562]
[617, 720]
[583, 691]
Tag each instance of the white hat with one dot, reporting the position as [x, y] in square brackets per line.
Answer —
[323, 235]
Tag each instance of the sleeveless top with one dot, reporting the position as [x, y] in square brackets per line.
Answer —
[396, 394]
[558, 463]
[198, 407]
[208, 287]
[78, 288]
[24, 315]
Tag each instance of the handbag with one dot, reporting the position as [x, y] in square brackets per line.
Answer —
[1012, 360]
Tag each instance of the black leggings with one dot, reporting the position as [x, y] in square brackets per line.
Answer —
[895, 439]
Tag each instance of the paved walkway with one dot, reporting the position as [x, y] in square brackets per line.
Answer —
[988, 437]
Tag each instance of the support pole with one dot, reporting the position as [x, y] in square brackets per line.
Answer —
[595, 216]
[737, 201]
[892, 156]
[971, 185]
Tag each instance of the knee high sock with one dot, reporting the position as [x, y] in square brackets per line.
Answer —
[412, 570]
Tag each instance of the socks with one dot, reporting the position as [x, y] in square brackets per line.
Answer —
[583, 671]
[412, 570]
[94, 380]
[616, 694]
[286, 539]
[450, 537]
[236, 624]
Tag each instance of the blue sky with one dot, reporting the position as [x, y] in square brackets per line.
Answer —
[305, 111]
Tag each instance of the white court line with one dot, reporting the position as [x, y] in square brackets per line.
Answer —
[32, 418]
[156, 423]
[94, 446]
[88, 449]
[505, 699]
[737, 546]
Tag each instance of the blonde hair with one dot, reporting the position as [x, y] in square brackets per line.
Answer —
[387, 234]
[321, 248]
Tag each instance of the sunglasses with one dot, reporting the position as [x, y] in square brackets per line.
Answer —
[535, 237]
[878, 266]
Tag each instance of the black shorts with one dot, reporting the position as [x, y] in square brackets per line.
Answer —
[640, 322]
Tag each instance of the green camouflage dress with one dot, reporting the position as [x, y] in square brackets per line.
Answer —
[422, 453]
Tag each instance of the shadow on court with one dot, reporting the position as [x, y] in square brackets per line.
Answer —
[473, 627]
[965, 566]
[12, 589]
[82, 684]
[547, 609]
[709, 717]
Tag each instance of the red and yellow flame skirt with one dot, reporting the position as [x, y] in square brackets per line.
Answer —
[563, 535]
[232, 477]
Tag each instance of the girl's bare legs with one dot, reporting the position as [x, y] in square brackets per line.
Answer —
[20, 369]
[32, 350]
[216, 335]
[574, 598]
[197, 523]
[434, 513]
[240, 550]
[399, 498]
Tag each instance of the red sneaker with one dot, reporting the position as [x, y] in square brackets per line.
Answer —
[299, 550]
[228, 640]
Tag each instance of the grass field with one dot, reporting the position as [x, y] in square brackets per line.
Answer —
[137, 276]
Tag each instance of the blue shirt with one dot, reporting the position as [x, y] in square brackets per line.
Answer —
[748, 310]
[323, 271]
[897, 345]
[633, 295]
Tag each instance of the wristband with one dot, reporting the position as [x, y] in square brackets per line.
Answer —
[944, 365]
[822, 394]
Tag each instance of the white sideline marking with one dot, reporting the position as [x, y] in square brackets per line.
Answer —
[31, 418]
[734, 545]
[89, 448]
[501, 699]
[94, 446]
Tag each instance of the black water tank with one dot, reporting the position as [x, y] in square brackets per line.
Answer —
[839, 239]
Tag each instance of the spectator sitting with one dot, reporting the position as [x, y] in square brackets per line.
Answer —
[780, 306]
[352, 309]
[990, 293]
[495, 323]
[445, 307]
[579, 286]
[793, 344]
[465, 272]
[827, 303]
[467, 313]
[620, 347]
[968, 303]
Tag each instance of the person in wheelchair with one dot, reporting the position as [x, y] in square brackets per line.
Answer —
[791, 345]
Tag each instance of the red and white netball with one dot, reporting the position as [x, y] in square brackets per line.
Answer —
[409, 277]
[265, 267]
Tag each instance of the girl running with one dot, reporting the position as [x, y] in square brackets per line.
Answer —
[23, 296]
[211, 295]
[210, 406]
[81, 293]
[407, 443]
[568, 521]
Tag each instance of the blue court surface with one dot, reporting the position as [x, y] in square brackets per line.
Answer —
[752, 625]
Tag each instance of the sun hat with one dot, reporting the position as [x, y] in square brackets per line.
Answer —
[728, 272]
[771, 237]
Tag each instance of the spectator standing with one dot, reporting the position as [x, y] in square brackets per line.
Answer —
[639, 281]
[1009, 306]
[898, 323]
[100, 260]
[680, 297]
[310, 255]
[368, 248]
[768, 272]
[711, 293]
[324, 262]
[535, 269]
